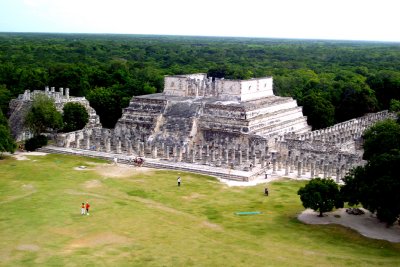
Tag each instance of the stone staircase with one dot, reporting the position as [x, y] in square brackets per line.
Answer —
[178, 120]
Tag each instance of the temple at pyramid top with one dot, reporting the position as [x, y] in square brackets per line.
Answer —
[199, 85]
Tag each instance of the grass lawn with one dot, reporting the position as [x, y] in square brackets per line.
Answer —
[143, 219]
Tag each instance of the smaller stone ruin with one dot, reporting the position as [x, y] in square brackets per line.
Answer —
[21, 105]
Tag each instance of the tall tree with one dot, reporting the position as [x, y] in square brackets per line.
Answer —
[377, 184]
[319, 111]
[75, 117]
[321, 195]
[108, 104]
[7, 143]
[381, 138]
[43, 115]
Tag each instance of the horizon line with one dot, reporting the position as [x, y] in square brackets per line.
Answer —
[204, 36]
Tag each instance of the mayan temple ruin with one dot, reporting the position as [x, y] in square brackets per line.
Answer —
[235, 129]
[20, 105]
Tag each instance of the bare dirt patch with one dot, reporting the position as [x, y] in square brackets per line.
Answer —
[212, 226]
[119, 170]
[23, 155]
[29, 189]
[193, 196]
[98, 240]
[366, 224]
[92, 184]
[77, 193]
[28, 247]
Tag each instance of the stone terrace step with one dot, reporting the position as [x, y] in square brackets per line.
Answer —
[158, 164]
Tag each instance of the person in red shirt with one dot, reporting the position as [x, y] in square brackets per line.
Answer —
[87, 208]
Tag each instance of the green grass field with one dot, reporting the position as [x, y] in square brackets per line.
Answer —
[144, 219]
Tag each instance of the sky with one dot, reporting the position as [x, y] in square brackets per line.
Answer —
[377, 20]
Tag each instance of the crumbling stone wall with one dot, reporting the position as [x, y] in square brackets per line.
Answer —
[22, 104]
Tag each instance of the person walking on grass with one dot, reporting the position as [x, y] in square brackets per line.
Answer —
[83, 210]
[87, 208]
[179, 181]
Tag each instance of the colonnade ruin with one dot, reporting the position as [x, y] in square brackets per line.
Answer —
[232, 125]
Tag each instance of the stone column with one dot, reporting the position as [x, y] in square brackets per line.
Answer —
[67, 142]
[246, 155]
[200, 153]
[108, 144]
[137, 146]
[154, 152]
[337, 174]
[279, 159]
[325, 170]
[287, 167]
[193, 155]
[118, 148]
[98, 144]
[312, 169]
[130, 150]
[227, 156]
[77, 141]
[175, 152]
[274, 165]
[166, 154]
[67, 93]
[299, 169]
[180, 150]
[87, 142]
[291, 163]
[141, 149]
[233, 155]
[240, 161]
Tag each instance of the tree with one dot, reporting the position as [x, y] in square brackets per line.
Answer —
[321, 195]
[75, 117]
[43, 115]
[5, 97]
[7, 143]
[376, 186]
[394, 105]
[108, 104]
[319, 111]
[381, 138]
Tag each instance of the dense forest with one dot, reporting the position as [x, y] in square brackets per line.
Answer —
[333, 80]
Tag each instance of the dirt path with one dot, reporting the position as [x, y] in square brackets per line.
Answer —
[366, 224]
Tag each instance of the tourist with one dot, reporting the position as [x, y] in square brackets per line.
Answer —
[266, 191]
[115, 161]
[87, 208]
[179, 181]
[83, 211]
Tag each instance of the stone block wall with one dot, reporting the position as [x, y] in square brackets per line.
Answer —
[20, 105]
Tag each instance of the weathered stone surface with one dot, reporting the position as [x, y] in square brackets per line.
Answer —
[20, 105]
[230, 124]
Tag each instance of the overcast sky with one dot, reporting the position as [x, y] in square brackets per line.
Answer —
[316, 19]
